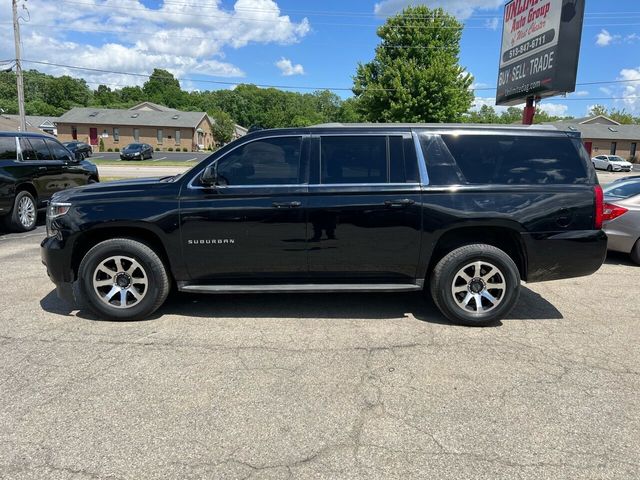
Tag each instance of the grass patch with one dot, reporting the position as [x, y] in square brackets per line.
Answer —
[111, 179]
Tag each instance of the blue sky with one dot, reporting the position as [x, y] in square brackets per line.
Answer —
[297, 43]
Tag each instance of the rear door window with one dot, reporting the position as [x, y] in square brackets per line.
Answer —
[40, 148]
[8, 150]
[502, 159]
[353, 159]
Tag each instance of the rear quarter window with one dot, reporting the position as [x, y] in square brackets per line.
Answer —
[503, 159]
[8, 150]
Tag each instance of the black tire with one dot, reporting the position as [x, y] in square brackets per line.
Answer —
[447, 273]
[609, 168]
[635, 253]
[16, 221]
[153, 295]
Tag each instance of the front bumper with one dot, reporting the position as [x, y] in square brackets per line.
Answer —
[554, 256]
[130, 157]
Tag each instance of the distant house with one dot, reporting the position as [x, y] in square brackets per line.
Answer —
[35, 123]
[160, 127]
[603, 136]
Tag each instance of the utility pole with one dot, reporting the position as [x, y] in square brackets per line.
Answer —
[16, 36]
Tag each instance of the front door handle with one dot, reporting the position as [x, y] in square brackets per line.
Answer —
[287, 204]
[42, 168]
[399, 203]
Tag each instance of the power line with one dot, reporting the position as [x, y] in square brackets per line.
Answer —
[292, 87]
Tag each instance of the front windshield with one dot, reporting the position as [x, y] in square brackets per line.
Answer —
[133, 146]
[623, 189]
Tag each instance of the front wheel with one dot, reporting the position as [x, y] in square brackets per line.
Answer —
[24, 214]
[121, 279]
[609, 168]
[475, 285]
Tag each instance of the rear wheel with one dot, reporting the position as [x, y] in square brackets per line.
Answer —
[24, 214]
[121, 279]
[475, 285]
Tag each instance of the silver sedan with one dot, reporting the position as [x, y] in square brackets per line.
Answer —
[622, 217]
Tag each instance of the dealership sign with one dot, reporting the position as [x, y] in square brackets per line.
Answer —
[540, 49]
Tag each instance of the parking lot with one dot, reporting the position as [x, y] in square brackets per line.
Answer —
[319, 386]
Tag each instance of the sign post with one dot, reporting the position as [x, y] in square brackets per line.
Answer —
[540, 51]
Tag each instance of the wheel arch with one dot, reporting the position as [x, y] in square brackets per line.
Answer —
[27, 187]
[88, 239]
[506, 238]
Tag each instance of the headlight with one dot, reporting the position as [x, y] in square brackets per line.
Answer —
[137, 153]
[55, 210]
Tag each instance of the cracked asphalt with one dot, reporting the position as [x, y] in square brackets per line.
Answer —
[357, 386]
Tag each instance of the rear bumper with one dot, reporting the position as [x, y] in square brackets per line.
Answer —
[553, 256]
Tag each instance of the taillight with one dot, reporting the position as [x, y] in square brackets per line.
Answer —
[599, 197]
[612, 211]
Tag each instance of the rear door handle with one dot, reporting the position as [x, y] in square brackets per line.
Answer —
[42, 168]
[287, 204]
[399, 203]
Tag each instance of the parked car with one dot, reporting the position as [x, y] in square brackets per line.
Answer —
[136, 151]
[79, 149]
[624, 179]
[32, 168]
[463, 212]
[612, 163]
[622, 217]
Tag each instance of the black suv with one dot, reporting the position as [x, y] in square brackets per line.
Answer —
[32, 168]
[465, 212]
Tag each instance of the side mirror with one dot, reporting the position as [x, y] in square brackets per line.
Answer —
[77, 157]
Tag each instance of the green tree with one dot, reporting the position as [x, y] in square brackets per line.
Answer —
[162, 87]
[598, 110]
[415, 75]
[223, 127]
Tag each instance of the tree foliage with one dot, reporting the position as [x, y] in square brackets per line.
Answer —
[223, 126]
[415, 75]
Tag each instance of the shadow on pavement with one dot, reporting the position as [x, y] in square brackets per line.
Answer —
[6, 233]
[618, 258]
[372, 306]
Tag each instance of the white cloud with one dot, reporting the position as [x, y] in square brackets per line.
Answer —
[580, 93]
[479, 102]
[604, 38]
[462, 9]
[632, 38]
[631, 91]
[554, 109]
[187, 38]
[288, 68]
[492, 23]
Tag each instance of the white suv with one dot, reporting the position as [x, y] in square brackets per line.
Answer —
[611, 163]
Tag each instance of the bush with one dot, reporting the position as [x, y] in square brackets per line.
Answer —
[184, 149]
[157, 149]
[170, 149]
[101, 145]
[634, 159]
[109, 149]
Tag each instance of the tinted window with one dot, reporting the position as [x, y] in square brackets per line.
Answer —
[58, 152]
[502, 159]
[28, 152]
[271, 161]
[8, 149]
[358, 159]
[41, 149]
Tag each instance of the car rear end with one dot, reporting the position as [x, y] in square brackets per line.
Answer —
[621, 215]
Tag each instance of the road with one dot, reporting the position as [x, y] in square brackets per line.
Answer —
[357, 386]
[157, 156]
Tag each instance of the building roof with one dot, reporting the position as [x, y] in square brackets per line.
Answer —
[136, 118]
[11, 123]
[600, 131]
[594, 120]
[150, 106]
[36, 121]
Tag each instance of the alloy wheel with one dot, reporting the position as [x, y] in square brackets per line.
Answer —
[120, 281]
[478, 287]
[26, 212]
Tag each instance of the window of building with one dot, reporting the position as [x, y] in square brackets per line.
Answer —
[614, 147]
[136, 135]
[74, 133]
[8, 150]
[271, 161]
[116, 134]
[160, 135]
[356, 159]
[634, 149]
[178, 133]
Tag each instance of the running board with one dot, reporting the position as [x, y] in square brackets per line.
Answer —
[304, 288]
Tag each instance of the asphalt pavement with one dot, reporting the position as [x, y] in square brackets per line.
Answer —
[157, 157]
[324, 386]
